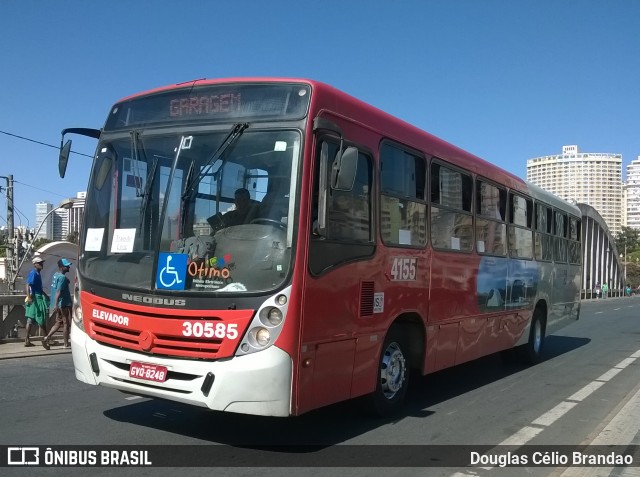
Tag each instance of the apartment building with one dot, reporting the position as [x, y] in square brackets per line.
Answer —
[61, 222]
[632, 194]
[584, 177]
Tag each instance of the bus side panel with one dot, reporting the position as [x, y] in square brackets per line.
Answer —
[453, 298]
[329, 328]
[332, 372]
[472, 338]
[566, 296]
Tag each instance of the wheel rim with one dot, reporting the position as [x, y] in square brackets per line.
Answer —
[537, 337]
[392, 370]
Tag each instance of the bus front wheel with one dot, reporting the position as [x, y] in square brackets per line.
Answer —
[392, 377]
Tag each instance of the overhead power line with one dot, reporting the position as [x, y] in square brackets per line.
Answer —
[41, 143]
[38, 188]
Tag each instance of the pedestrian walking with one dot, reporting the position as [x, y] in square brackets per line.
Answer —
[605, 289]
[61, 293]
[37, 301]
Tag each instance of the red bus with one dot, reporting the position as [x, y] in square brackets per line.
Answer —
[270, 246]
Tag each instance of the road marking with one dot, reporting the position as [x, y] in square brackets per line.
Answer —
[521, 437]
[554, 414]
[132, 398]
[599, 312]
[620, 431]
[585, 391]
[616, 309]
[609, 374]
[624, 363]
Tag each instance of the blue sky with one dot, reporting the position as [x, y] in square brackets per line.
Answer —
[506, 80]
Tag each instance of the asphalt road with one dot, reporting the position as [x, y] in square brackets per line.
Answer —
[487, 402]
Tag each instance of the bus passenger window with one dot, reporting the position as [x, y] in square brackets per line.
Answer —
[451, 217]
[491, 230]
[403, 208]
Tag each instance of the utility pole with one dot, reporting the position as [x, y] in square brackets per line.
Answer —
[10, 238]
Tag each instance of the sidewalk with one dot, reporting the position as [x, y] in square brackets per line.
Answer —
[14, 347]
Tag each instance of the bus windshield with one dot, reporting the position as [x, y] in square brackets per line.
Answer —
[220, 204]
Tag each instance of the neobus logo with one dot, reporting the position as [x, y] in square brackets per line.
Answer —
[152, 300]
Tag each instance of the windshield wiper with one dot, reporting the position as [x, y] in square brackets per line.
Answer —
[146, 195]
[185, 213]
[232, 137]
[135, 165]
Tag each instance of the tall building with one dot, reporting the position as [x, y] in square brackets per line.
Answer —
[42, 209]
[61, 222]
[76, 213]
[590, 178]
[632, 194]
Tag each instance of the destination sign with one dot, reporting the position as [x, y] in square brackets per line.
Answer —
[212, 103]
[205, 105]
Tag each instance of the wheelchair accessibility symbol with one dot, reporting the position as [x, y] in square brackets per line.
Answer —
[172, 271]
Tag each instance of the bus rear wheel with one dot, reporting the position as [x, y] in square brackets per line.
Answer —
[531, 352]
[392, 378]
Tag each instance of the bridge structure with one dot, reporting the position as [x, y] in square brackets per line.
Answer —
[601, 262]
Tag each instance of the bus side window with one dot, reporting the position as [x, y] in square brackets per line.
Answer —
[451, 214]
[341, 220]
[403, 206]
[349, 211]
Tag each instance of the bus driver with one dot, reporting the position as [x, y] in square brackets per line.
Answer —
[245, 211]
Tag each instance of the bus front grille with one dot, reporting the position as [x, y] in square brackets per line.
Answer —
[155, 344]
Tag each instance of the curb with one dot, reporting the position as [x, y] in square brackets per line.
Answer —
[11, 348]
[31, 354]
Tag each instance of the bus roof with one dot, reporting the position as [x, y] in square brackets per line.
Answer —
[366, 115]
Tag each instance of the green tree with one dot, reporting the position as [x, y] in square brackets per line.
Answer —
[73, 237]
[628, 237]
[37, 243]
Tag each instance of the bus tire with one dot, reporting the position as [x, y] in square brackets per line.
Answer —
[392, 379]
[531, 352]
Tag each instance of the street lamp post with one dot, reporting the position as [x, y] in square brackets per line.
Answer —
[625, 264]
[623, 257]
[65, 204]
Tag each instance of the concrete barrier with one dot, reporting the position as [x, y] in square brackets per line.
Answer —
[12, 313]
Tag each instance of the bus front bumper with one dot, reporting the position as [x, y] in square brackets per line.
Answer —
[258, 383]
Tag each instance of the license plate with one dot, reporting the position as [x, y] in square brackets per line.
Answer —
[150, 372]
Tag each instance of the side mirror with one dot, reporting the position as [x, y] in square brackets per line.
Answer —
[63, 159]
[343, 170]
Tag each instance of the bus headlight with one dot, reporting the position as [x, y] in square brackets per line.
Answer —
[76, 311]
[266, 325]
[274, 317]
[261, 337]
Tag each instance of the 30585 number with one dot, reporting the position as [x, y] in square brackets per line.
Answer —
[207, 329]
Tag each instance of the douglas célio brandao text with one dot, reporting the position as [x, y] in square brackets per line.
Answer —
[551, 458]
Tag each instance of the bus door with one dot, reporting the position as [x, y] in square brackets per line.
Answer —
[341, 281]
